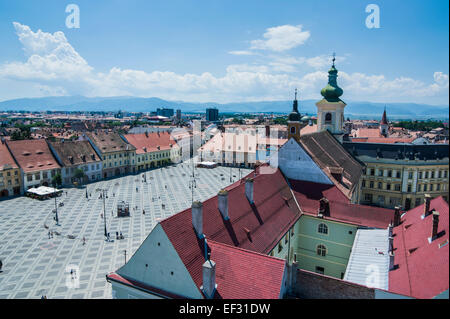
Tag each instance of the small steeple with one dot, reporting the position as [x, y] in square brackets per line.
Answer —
[384, 117]
[294, 115]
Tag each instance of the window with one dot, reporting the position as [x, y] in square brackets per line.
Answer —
[425, 187]
[388, 187]
[368, 197]
[280, 247]
[399, 174]
[426, 174]
[438, 187]
[410, 175]
[431, 187]
[321, 250]
[397, 187]
[328, 118]
[380, 185]
[372, 172]
[439, 174]
[323, 229]
[363, 183]
[380, 172]
[445, 174]
[420, 175]
[389, 173]
[320, 270]
[371, 184]
[432, 174]
[409, 188]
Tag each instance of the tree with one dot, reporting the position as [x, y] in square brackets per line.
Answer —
[57, 180]
[79, 174]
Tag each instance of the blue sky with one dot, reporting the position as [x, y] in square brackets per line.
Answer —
[225, 51]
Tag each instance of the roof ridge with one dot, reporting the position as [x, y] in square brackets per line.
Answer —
[244, 250]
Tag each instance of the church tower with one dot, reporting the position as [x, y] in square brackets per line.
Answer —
[384, 126]
[330, 110]
[294, 124]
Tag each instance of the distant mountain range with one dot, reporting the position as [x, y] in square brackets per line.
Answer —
[354, 109]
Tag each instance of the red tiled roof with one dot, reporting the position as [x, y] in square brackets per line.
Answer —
[5, 157]
[308, 195]
[242, 274]
[151, 141]
[268, 220]
[368, 132]
[384, 140]
[33, 155]
[423, 267]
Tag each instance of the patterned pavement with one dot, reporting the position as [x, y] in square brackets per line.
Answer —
[35, 265]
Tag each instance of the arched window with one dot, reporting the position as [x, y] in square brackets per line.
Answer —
[293, 130]
[321, 250]
[323, 229]
[328, 118]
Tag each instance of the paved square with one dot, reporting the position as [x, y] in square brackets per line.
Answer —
[36, 265]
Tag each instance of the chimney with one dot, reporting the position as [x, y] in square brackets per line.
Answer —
[397, 216]
[426, 209]
[391, 244]
[249, 190]
[209, 279]
[324, 208]
[391, 260]
[197, 218]
[223, 203]
[434, 231]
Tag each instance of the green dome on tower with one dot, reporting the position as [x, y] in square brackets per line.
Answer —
[331, 92]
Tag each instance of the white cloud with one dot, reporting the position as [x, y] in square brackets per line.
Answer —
[53, 67]
[281, 38]
[241, 52]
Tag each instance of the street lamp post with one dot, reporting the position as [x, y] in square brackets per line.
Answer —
[104, 212]
[56, 214]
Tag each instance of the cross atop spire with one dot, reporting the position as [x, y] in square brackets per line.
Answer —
[334, 58]
[295, 93]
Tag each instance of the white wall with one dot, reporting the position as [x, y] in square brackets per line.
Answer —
[161, 259]
[296, 164]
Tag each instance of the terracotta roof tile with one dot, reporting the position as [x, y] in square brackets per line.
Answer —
[423, 267]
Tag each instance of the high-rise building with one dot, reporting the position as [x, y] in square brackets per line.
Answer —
[164, 112]
[212, 114]
[178, 115]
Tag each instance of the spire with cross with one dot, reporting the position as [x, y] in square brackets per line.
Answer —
[334, 58]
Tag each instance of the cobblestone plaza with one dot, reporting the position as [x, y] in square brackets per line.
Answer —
[37, 264]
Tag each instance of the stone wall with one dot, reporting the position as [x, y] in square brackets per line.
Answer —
[309, 285]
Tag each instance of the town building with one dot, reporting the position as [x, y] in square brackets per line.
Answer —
[118, 156]
[153, 149]
[74, 155]
[401, 174]
[10, 174]
[236, 229]
[37, 163]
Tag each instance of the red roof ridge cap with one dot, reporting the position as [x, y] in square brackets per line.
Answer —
[244, 250]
